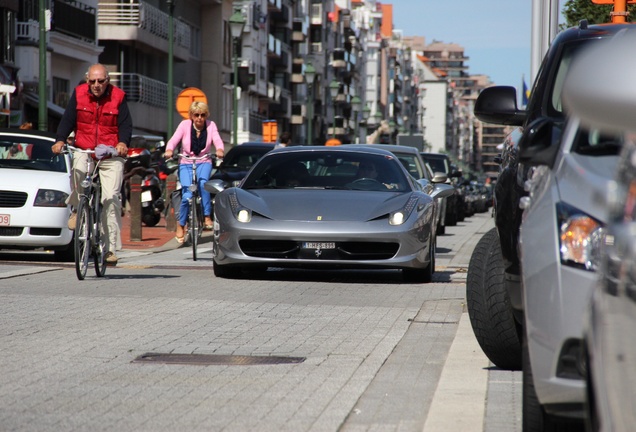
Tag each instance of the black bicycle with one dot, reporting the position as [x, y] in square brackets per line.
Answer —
[195, 217]
[89, 238]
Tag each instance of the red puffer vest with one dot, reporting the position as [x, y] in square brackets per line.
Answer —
[97, 118]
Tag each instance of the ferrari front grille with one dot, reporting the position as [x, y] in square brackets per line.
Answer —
[286, 249]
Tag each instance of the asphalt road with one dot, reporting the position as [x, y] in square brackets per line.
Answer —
[161, 344]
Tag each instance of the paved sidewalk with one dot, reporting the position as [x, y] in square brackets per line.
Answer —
[156, 238]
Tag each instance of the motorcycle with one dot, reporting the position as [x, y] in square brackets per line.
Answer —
[152, 202]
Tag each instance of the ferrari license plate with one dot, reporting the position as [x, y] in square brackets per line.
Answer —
[319, 245]
[146, 196]
[5, 220]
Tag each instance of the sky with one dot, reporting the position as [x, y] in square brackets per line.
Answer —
[495, 34]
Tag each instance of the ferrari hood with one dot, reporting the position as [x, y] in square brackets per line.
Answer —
[324, 205]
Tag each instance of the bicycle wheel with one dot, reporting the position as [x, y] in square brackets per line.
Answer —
[194, 226]
[82, 238]
[97, 244]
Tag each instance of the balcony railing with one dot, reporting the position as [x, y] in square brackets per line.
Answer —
[141, 89]
[29, 31]
[143, 15]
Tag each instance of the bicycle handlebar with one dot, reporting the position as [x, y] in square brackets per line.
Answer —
[107, 154]
[69, 148]
[195, 158]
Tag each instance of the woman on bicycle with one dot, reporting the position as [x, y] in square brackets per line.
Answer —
[196, 136]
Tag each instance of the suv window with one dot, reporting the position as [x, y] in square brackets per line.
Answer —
[594, 143]
[569, 52]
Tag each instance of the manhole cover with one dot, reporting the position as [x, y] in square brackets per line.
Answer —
[213, 359]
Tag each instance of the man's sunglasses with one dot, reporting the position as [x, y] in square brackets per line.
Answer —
[101, 81]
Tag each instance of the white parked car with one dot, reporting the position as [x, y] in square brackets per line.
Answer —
[34, 186]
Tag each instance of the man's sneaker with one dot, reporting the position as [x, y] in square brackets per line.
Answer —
[72, 220]
[111, 258]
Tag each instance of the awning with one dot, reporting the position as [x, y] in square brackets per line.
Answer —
[33, 100]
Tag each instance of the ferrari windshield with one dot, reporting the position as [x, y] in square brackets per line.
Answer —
[328, 170]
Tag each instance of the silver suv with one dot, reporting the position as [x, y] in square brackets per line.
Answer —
[560, 240]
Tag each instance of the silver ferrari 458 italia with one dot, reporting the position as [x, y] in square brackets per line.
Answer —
[326, 207]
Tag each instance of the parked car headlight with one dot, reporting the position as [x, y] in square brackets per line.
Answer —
[398, 217]
[581, 238]
[50, 198]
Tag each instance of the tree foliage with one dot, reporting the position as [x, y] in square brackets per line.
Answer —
[576, 10]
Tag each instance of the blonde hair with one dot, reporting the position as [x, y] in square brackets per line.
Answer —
[198, 106]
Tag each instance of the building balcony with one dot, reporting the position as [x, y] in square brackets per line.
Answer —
[316, 14]
[147, 99]
[299, 113]
[144, 24]
[279, 17]
[274, 5]
[316, 48]
[338, 59]
[274, 47]
[299, 30]
[297, 76]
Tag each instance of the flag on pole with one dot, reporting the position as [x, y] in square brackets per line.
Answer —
[525, 94]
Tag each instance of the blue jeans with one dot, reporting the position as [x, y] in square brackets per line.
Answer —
[185, 177]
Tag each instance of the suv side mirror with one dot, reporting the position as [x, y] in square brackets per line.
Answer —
[539, 144]
[498, 104]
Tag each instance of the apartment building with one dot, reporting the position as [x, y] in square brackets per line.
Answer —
[365, 71]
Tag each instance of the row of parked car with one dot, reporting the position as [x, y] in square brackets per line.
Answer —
[550, 290]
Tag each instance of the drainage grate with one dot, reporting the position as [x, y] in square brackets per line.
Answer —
[213, 359]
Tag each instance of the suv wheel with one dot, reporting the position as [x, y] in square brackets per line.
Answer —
[489, 307]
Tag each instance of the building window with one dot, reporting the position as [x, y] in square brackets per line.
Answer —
[195, 42]
[61, 91]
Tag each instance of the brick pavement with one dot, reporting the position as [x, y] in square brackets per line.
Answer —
[375, 347]
[151, 237]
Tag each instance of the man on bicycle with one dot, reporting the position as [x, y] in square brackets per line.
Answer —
[98, 113]
[197, 135]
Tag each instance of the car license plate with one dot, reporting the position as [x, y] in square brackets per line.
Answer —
[319, 245]
[146, 196]
[5, 220]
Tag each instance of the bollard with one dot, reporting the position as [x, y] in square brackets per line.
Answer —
[135, 208]
[171, 186]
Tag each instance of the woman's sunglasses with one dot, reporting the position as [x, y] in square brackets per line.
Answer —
[101, 81]
[196, 115]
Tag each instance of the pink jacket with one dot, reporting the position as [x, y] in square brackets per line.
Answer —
[183, 134]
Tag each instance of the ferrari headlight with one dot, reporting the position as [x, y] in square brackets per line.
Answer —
[50, 198]
[241, 213]
[581, 238]
[398, 217]
[244, 215]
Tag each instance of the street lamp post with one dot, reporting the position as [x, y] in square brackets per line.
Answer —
[310, 75]
[366, 112]
[356, 103]
[237, 22]
[334, 88]
[42, 107]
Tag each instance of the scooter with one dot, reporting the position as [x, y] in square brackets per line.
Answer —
[152, 202]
